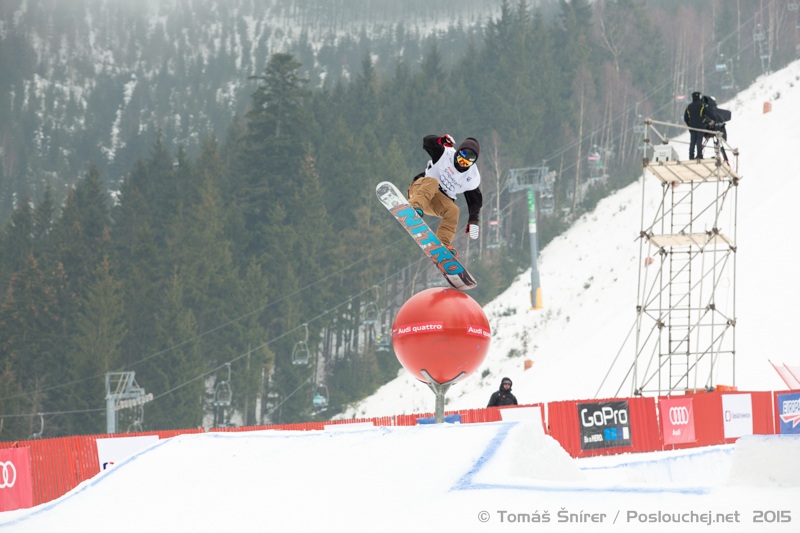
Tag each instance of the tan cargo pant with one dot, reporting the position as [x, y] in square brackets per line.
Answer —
[425, 194]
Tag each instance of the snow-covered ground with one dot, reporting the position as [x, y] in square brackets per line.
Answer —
[476, 477]
[589, 280]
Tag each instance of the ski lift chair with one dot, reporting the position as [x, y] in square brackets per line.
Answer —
[138, 417]
[638, 125]
[727, 80]
[494, 229]
[41, 428]
[638, 122]
[548, 203]
[383, 342]
[371, 311]
[721, 65]
[300, 353]
[320, 398]
[758, 33]
[793, 6]
[222, 392]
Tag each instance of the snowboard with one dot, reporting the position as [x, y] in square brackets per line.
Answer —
[454, 272]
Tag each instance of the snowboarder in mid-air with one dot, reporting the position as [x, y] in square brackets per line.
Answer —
[503, 396]
[449, 172]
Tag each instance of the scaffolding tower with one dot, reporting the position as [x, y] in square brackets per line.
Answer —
[685, 327]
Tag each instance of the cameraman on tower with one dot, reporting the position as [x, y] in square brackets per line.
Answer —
[696, 118]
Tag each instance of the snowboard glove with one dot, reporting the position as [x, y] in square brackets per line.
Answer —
[474, 231]
[446, 140]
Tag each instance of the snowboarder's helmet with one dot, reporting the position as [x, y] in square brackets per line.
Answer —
[465, 157]
[466, 154]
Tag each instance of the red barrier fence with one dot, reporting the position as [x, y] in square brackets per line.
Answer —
[583, 427]
[58, 465]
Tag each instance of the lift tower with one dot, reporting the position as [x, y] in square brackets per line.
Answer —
[685, 329]
[533, 180]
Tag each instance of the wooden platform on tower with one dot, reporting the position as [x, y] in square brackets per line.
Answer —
[689, 171]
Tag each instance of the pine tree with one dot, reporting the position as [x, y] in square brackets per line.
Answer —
[99, 333]
[18, 237]
[33, 340]
[82, 232]
[174, 374]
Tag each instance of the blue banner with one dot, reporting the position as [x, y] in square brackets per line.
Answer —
[789, 411]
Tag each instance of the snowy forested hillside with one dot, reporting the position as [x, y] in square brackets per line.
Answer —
[98, 80]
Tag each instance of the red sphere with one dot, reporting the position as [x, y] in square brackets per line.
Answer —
[442, 331]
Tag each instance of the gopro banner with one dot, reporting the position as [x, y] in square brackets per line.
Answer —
[16, 481]
[677, 421]
[789, 411]
[604, 425]
[737, 415]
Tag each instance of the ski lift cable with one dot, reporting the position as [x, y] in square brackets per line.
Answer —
[289, 395]
[53, 413]
[344, 302]
[267, 343]
[203, 334]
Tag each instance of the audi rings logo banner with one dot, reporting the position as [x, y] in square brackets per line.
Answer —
[737, 415]
[789, 412]
[16, 485]
[604, 425]
[677, 421]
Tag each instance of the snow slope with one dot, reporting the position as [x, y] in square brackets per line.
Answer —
[589, 280]
[425, 478]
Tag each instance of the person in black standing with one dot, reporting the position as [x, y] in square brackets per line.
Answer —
[695, 117]
[503, 396]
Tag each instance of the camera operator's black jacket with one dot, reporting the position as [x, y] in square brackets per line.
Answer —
[695, 115]
[502, 397]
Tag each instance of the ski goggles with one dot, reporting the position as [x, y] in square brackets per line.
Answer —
[466, 157]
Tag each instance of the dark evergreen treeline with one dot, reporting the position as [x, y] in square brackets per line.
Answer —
[221, 256]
